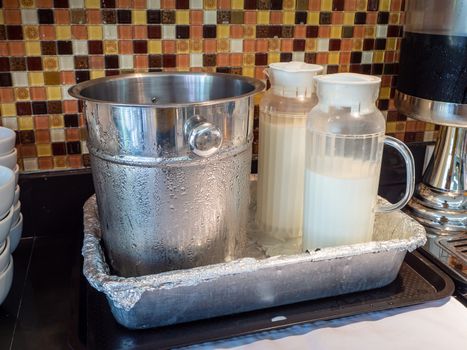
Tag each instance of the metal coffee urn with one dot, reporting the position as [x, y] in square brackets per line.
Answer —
[432, 87]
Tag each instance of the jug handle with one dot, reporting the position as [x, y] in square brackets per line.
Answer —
[268, 79]
[410, 170]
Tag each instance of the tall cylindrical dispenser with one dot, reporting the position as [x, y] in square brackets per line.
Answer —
[282, 128]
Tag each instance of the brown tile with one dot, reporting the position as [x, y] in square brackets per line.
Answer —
[154, 16]
[261, 59]
[75, 161]
[209, 31]
[155, 61]
[50, 63]
[38, 94]
[45, 163]
[139, 4]
[86, 160]
[70, 106]
[64, 48]
[108, 4]
[52, 78]
[45, 16]
[16, 48]
[287, 31]
[60, 162]
[27, 150]
[14, 32]
[167, 17]
[79, 32]
[41, 122]
[47, 32]
[67, 77]
[168, 60]
[78, 16]
[93, 17]
[73, 147]
[154, 32]
[43, 136]
[125, 47]
[54, 107]
[23, 108]
[140, 46]
[62, 16]
[81, 62]
[27, 137]
[109, 16]
[17, 63]
[72, 134]
[7, 95]
[125, 32]
[209, 60]
[124, 16]
[95, 47]
[262, 31]
[58, 148]
[48, 48]
[96, 62]
[39, 107]
[12, 16]
[140, 32]
[31, 32]
[34, 63]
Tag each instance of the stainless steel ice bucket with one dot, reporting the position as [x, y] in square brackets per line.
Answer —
[170, 156]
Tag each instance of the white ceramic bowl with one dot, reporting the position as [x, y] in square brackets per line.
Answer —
[5, 224]
[16, 197]
[15, 234]
[7, 140]
[5, 256]
[9, 159]
[16, 212]
[16, 174]
[6, 279]
[7, 190]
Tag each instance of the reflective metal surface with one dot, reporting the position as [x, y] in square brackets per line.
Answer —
[432, 88]
[171, 155]
[258, 280]
[204, 138]
[437, 112]
[447, 17]
[170, 89]
[447, 168]
[451, 252]
[440, 201]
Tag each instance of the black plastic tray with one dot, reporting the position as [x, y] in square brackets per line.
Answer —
[418, 281]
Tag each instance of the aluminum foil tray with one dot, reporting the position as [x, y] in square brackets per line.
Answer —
[261, 280]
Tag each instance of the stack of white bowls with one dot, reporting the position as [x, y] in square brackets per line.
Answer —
[11, 220]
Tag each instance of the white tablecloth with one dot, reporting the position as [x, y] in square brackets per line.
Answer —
[437, 325]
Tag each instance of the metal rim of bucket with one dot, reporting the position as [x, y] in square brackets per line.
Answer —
[75, 91]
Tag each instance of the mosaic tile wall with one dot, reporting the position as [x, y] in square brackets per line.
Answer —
[46, 46]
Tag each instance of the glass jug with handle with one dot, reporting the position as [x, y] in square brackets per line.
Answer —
[344, 147]
[282, 128]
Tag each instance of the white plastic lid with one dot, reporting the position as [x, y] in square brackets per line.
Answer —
[347, 89]
[293, 74]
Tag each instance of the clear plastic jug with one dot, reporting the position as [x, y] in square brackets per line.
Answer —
[282, 128]
[344, 147]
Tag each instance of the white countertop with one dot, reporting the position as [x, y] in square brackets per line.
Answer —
[437, 325]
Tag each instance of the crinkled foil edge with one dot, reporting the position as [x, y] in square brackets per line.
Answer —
[126, 292]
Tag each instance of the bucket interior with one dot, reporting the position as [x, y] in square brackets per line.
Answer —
[166, 89]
